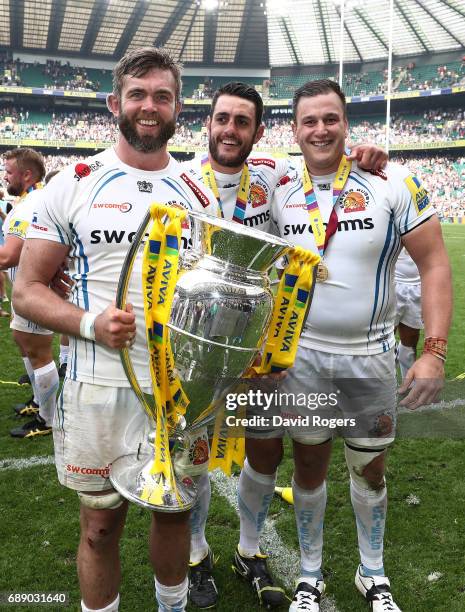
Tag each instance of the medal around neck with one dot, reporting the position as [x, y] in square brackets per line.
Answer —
[207, 314]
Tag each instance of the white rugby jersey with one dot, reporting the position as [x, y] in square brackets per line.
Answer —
[406, 270]
[95, 208]
[353, 311]
[265, 173]
[19, 219]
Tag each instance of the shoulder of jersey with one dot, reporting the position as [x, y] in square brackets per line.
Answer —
[257, 160]
[83, 169]
[292, 177]
[389, 173]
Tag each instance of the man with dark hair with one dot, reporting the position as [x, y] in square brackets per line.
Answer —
[99, 417]
[24, 171]
[243, 184]
[357, 220]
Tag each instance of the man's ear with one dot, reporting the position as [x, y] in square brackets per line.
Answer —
[259, 133]
[208, 124]
[113, 104]
[294, 129]
[178, 108]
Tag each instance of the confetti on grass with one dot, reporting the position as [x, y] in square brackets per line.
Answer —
[434, 576]
[412, 500]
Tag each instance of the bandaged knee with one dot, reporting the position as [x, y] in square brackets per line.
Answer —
[108, 501]
[357, 461]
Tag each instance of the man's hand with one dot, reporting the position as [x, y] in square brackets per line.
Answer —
[423, 382]
[368, 156]
[61, 283]
[116, 328]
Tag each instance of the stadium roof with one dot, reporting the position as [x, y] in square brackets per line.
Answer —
[240, 33]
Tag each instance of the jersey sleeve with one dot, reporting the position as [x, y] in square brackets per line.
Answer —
[48, 218]
[411, 203]
[17, 223]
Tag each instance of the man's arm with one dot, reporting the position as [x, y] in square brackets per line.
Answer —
[10, 252]
[34, 300]
[426, 246]
[368, 156]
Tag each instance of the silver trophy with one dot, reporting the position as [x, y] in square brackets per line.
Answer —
[220, 314]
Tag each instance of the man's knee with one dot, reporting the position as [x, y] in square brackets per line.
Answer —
[311, 463]
[366, 466]
[102, 519]
[264, 455]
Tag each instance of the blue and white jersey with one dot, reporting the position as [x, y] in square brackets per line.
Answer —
[353, 310]
[95, 208]
[265, 173]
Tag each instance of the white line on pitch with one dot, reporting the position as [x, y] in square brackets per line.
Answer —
[284, 562]
[27, 462]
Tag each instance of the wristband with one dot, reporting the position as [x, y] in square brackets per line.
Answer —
[87, 326]
[436, 346]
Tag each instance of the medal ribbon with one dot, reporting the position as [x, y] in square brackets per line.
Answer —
[159, 276]
[321, 235]
[209, 179]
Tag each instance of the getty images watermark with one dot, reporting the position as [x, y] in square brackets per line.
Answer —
[257, 399]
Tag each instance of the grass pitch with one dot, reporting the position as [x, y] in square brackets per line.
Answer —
[425, 534]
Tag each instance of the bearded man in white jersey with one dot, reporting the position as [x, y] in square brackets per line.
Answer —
[238, 177]
[24, 171]
[357, 221]
[90, 214]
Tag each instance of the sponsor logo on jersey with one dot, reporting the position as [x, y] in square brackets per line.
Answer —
[262, 162]
[418, 192]
[283, 180]
[117, 236]
[18, 228]
[198, 451]
[41, 228]
[345, 225]
[145, 186]
[324, 186]
[379, 173]
[258, 194]
[199, 194]
[259, 219]
[82, 170]
[104, 472]
[123, 207]
[355, 200]
[303, 205]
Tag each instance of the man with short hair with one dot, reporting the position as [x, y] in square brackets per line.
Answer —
[358, 221]
[90, 215]
[243, 184]
[24, 171]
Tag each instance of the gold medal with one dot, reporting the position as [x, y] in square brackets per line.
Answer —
[322, 273]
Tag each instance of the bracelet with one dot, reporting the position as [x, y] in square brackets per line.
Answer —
[436, 346]
[87, 326]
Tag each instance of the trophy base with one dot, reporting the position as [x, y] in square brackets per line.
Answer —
[130, 476]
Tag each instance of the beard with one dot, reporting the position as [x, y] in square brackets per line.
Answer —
[14, 190]
[229, 162]
[146, 144]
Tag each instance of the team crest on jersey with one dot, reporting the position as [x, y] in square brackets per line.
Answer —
[262, 162]
[355, 200]
[82, 170]
[185, 222]
[198, 451]
[418, 192]
[258, 194]
[145, 186]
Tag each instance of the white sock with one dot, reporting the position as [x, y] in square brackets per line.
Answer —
[255, 492]
[198, 520]
[405, 358]
[64, 350]
[309, 509]
[171, 598]
[30, 373]
[47, 382]
[370, 512]
[112, 607]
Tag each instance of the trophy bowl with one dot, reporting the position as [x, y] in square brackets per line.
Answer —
[220, 313]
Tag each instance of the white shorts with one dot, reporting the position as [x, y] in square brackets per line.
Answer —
[408, 305]
[93, 426]
[324, 394]
[28, 327]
